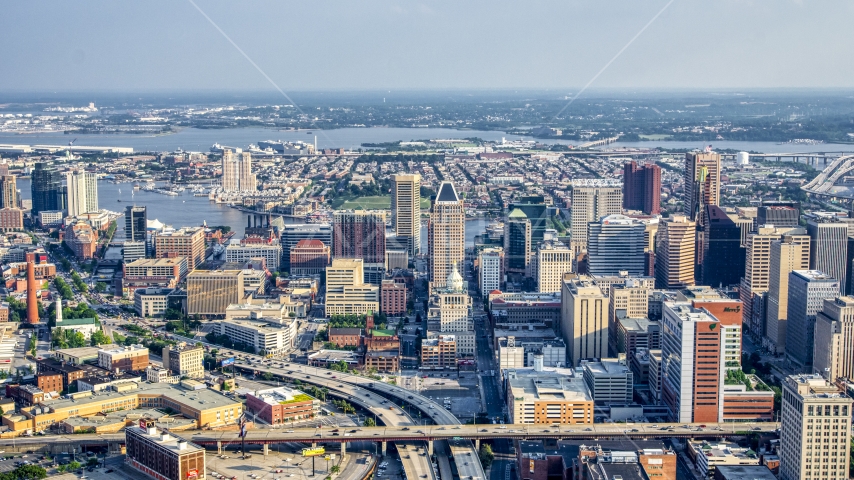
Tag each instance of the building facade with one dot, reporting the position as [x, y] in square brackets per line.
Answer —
[807, 291]
[446, 232]
[642, 187]
[616, 243]
[592, 200]
[584, 320]
[675, 252]
[237, 173]
[210, 292]
[188, 242]
[406, 210]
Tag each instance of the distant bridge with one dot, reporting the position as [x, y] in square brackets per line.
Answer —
[823, 183]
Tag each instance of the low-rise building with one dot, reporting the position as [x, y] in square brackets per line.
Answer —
[151, 302]
[276, 406]
[546, 395]
[78, 356]
[184, 360]
[131, 358]
[345, 337]
[392, 298]
[49, 382]
[162, 455]
[707, 455]
[86, 326]
[609, 380]
[70, 373]
[324, 358]
[155, 374]
[265, 337]
[81, 239]
[439, 352]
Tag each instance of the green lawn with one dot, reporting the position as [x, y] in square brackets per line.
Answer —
[376, 203]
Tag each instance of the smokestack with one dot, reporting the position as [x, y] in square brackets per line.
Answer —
[32, 302]
[249, 222]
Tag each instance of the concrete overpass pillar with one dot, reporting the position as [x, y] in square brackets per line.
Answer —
[383, 447]
[429, 447]
[219, 448]
[477, 444]
[266, 449]
[343, 449]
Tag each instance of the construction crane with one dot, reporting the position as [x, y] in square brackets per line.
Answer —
[72, 142]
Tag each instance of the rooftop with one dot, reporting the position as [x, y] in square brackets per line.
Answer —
[157, 262]
[332, 356]
[550, 384]
[447, 193]
[171, 442]
[281, 396]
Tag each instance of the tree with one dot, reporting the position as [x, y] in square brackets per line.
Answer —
[99, 338]
[100, 287]
[334, 469]
[486, 455]
[93, 462]
[369, 422]
[74, 465]
[267, 376]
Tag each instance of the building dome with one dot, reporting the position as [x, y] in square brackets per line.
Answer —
[455, 280]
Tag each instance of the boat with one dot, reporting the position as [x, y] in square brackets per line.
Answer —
[119, 200]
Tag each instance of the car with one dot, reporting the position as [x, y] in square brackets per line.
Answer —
[410, 397]
[503, 427]
[702, 426]
[484, 430]
[290, 431]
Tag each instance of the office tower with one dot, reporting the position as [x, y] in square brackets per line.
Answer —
[757, 273]
[627, 300]
[254, 247]
[447, 234]
[490, 269]
[346, 290]
[553, 260]
[292, 234]
[828, 246]
[45, 188]
[359, 234]
[406, 210]
[694, 348]
[82, 188]
[592, 200]
[779, 214]
[8, 191]
[449, 313]
[584, 320]
[723, 255]
[517, 242]
[792, 252]
[309, 257]
[674, 252]
[534, 208]
[833, 354]
[184, 360]
[807, 291]
[616, 243]
[210, 292]
[701, 182]
[237, 173]
[186, 242]
[136, 223]
[815, 430]
[642, 187]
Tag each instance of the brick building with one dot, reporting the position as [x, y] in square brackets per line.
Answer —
[81, 239]
[49, 382]
[393, 298]
[309, 257]
[346, 337]
[279, 405]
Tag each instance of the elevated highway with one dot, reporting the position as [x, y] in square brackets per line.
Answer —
[411, 433]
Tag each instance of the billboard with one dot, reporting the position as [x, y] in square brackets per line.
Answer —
[227, 361]
[192, 473]
[313, 452]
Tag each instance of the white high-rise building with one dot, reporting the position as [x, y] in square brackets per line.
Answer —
[616, 243]
[828, 246]
[82, 192]
[807, 291]
[406, 210]
[833, 356]
[490, 269]
[592, 200]
[815, 430]
[792, 252]
[553, 259]
[237, 173]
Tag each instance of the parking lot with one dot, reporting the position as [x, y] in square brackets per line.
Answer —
[460, 392]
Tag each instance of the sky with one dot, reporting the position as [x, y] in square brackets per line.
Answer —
[334, 45]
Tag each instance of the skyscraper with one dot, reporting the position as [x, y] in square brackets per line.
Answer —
[553, 260]
[695, 346]
[186, 242]
[237, 173]
[446, 233]
[702, 182]
[792, 252]
[45, 188]
[293, 233]
[674, 252]
[807, 291]
[779, 214]
[8, 191]
[406, 210]
[616, 243]
[828, 246]
[584, 320]
[642, 187]
[757, 273]
[136, 222]
[490, 269]
[723, 255]
[833, 353]
[592, 200]
[359, 234]
[82, 190]
[815, 429]
[517, 242]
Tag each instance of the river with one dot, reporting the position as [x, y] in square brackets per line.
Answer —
[194, 139]
[187, 210]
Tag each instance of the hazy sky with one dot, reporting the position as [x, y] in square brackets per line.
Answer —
[356, 45]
